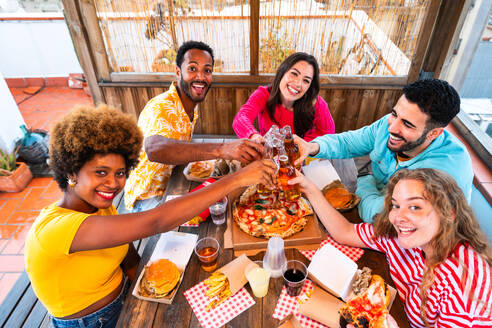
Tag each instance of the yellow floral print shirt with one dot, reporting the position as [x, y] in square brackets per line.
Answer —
[163, 115]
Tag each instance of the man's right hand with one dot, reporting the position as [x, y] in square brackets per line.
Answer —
[263, 171]
[243, 150]
[305, 149]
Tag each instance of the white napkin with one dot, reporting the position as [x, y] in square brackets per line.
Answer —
[320, 172]
[176, 247]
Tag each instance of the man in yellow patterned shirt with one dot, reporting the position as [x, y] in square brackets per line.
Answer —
[167, 122]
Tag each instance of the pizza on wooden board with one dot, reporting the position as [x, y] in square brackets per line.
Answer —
[270, 216]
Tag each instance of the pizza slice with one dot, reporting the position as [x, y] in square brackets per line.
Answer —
[369, 309]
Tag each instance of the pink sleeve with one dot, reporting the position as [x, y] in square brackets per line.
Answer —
[243, 121]
[323, 122]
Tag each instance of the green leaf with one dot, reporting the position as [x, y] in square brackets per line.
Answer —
[273, 220]
[261, 221]
[258, 207]
[261, 201]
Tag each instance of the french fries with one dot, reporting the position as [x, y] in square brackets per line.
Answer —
[218, 289]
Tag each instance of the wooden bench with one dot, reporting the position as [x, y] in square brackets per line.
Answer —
[21, 307]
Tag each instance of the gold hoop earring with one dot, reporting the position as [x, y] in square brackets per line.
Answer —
[71, 183]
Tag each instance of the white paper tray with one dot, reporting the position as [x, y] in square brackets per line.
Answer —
[176, 247]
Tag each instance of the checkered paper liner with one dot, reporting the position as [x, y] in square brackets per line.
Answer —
[224, 312]
[354, 253]
[288, 304]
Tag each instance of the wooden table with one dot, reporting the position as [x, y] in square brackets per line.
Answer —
[138, 313]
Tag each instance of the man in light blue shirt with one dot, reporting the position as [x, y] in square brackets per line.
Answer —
[411, 137]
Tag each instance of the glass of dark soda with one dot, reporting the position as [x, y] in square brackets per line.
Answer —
[294, 273]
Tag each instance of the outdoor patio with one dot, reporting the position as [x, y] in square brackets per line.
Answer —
[18, 210]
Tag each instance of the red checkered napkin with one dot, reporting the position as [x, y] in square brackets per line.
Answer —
[224, 312]
[353, 252]
[288, 304]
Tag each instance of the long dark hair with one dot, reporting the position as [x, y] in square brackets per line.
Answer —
[304, 107]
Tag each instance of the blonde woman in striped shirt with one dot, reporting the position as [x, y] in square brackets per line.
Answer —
[439, 259]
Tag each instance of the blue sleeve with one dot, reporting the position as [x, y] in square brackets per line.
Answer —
[371, 199]
[351, 143]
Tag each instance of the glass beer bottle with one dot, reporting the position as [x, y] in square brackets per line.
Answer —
[290, 146]
[286, 172]
[271, 145]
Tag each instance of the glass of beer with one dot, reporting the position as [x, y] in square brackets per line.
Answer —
[261, 188]
[207, 250]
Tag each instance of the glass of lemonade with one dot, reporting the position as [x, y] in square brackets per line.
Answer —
[258, 278]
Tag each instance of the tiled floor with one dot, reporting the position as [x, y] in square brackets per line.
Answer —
[18, 210]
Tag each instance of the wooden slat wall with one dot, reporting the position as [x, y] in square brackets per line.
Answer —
[351, 108]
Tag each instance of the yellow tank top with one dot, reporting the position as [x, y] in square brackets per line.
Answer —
[67, 283]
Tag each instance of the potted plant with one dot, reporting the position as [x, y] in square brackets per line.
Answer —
[14, 176]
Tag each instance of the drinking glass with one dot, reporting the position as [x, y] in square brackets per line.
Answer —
[258, 278]
[274, 258]
[294, 273]
[207, 250]
[218, 211]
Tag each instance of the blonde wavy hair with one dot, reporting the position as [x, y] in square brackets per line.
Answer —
[457, 224]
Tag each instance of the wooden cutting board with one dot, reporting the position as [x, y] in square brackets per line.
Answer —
[309, 238]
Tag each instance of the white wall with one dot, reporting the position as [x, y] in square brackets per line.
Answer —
[36, 48]
[12, 119]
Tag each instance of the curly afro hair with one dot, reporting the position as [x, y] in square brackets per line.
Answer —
[85, 132]
[436, 98]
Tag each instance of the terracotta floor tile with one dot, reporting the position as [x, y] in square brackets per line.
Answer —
[31, 198]
[42, 203]
[40, 182]
[3, 242]
[8, 208]
[16, 244]
[6, 231]
[53, 191]
[11, 263]
[6, 283]
[20, 194]
[23, 217]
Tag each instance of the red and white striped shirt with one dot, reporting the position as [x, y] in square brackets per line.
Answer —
[457, 298]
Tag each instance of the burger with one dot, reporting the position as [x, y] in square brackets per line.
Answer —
[369, 309]
[159, 279]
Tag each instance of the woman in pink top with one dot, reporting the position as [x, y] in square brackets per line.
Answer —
[292, 100]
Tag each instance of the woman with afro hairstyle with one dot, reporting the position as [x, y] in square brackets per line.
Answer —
[79, 248]
[291, 100]
[439, 258]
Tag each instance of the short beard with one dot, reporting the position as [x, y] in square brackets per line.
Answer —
[186, 88]
[410, 145]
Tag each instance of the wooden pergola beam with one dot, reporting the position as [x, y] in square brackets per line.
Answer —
[254, 36]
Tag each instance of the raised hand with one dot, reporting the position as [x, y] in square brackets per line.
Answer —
[258, 138]
[263, 171]
[243, 150]
[305, 184]
[305, 149]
